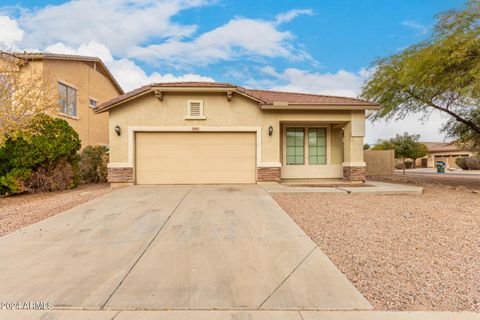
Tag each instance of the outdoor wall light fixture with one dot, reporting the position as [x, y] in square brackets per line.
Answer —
[118, 131]
[270, 131]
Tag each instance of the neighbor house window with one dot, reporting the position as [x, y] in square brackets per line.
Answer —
[92, 103]
[67, 99]
[317, 146]
[295, 146]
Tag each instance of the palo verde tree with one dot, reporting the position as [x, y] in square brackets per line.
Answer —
[406, 146]
[441, 73]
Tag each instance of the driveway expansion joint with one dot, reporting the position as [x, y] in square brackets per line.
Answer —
[288, 276]
[146, 248]
[116, 315]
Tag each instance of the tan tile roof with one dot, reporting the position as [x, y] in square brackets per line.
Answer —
[56, 56]
[444, 147]
[194, 84]
[270, 96]
[262, 96]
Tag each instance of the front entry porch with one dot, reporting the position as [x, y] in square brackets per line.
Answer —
[321, 150]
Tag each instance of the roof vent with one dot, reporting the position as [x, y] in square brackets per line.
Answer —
[195, 110]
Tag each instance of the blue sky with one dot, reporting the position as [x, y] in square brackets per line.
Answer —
[323, 46]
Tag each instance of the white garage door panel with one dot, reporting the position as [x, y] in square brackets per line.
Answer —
[189, 158]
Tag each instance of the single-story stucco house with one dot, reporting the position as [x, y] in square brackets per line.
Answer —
[447, 152]
[205, 132]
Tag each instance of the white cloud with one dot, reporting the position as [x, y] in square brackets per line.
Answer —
[125, 71]
[91, 48]
[344, 83]
[290, 15]
[146, 31]
[119, 24]
[416, 26]
[239, 38]
[131, 76]
[429, 129]
[10, 33]
[341, 83]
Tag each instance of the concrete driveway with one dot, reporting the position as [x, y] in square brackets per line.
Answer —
[173, 247]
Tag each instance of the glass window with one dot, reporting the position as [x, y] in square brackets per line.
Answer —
[92, 103]
[317, 146]
[295, 146]
[67, 99]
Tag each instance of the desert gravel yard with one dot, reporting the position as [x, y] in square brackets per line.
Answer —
[402, 252]
[22, 210]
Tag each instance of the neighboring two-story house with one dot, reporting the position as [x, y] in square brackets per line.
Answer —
[81, 84]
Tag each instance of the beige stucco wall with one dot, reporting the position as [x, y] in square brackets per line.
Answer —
[337, 143]
[379, 162]
[91, 127]
[240, 112]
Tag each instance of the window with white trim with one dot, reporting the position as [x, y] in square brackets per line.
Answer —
[195, 109]
[295, 146]
[317, 146]
[67, 99]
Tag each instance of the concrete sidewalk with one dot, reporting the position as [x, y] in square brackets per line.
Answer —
[433, 171]
[233, 315]
[371, 187]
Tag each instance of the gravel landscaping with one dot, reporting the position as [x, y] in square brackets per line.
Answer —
[22, 210]
[403, 252]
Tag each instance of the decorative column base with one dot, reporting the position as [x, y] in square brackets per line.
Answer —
[354, 173]
[120, 175]
[265, 174]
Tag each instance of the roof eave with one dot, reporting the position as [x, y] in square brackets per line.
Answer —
[152, 88]
[83, 58]
[108, 105]
[233, 89]
[318, 106]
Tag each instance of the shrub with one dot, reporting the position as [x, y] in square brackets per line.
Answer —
[461, 163]
[409, 164]
[93, 164]
[12, 182]
[58, 177]
[399, 166]
[40, 148]
[473, 163]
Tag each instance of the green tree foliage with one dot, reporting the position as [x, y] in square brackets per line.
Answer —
[442, 73]
[42, 145]
[405, 146]
[366, 146]
[93, 164]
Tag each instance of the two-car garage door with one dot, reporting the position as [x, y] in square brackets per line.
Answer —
[195, 157]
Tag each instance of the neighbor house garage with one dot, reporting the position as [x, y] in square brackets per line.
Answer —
[202, 132]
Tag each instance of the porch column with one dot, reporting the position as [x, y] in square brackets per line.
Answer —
[353, 134]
